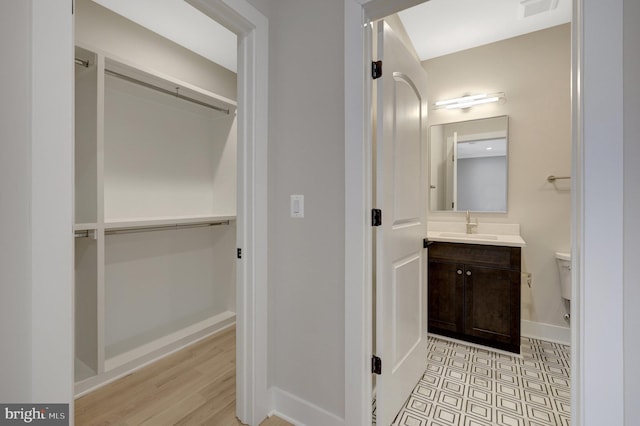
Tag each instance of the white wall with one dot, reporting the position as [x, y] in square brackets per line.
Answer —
[36, 233]
[598, 335]
[51, 202]
[306, 256]
[631, 209]
[15, 196]
[164, 157]
[481, 183]
[534, 72]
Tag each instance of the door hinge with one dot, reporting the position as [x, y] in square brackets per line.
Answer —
[376, 217]
[239, 253]
[376, 69]
[376, 365]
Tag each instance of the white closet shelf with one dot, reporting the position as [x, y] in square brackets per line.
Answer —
[118, 354]
[85, 226]
[164, 221]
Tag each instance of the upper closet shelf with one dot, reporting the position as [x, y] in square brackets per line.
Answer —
[170, 86]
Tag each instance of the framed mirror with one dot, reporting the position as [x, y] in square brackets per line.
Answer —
[468, 165]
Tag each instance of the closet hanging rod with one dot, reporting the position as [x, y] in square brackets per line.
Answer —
[165, 91]
[132, 230]
[553, 178]
[81, 62]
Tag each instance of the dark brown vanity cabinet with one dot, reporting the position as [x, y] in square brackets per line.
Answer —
[474, 293]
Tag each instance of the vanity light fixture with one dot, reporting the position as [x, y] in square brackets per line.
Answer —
[469, 101]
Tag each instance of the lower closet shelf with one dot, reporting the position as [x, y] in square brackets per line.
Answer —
[121, 353]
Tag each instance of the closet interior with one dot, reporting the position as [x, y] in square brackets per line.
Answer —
[155, 215]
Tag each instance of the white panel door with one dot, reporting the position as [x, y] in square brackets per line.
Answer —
[401, 193]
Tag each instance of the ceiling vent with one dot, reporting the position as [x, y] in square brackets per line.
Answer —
[533, 7]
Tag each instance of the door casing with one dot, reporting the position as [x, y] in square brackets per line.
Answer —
[596, 48]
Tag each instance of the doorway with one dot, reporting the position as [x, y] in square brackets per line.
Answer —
[567, 153]
[250, 26]
[155, 193]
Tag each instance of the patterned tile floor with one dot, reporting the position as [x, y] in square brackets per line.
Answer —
[470, 386]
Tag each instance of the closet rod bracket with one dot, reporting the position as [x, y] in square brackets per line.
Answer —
[87, 233]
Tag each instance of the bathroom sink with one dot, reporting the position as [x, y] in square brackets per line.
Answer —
[469, 236]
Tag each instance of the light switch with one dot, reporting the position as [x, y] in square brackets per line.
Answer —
[297, 206]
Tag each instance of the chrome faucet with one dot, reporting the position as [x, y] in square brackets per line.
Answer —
[470, 225]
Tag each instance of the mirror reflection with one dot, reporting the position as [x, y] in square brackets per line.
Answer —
[468, 165]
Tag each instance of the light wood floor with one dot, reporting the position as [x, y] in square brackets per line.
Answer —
[195, 386]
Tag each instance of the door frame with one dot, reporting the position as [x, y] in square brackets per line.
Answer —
[52, 139]
[252, 29]
[597, 163]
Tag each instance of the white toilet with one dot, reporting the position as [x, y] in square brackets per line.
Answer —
[563, 260]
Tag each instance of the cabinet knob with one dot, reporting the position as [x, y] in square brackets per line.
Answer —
[459, 271]
[468, 273]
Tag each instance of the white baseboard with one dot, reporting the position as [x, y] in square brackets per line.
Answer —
[551, 333]
[300, 412]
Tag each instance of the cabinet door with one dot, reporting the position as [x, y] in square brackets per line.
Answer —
[446, 297]
[492, 305]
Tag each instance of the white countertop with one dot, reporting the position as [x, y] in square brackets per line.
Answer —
[492, 234]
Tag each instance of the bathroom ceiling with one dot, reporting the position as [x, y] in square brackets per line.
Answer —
[441, 27]
[483, 148]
